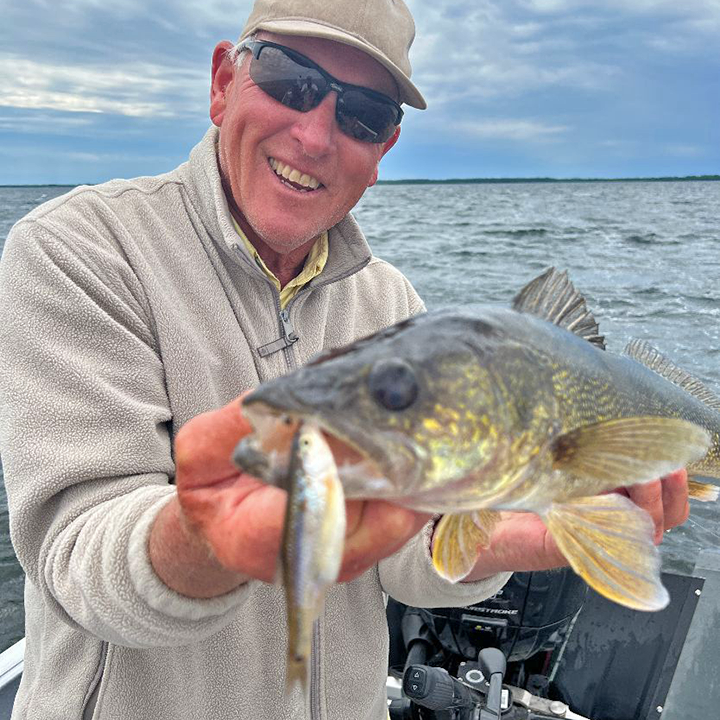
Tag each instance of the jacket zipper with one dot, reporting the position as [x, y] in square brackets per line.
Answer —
[315, 706]
[288, 336]
[91, 698]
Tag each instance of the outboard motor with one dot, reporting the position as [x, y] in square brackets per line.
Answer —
[527, 620]
[453, 660]
[546, 646]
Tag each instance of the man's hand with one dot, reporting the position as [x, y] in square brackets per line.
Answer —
[521, 542]
[666, 501]
[226, 526]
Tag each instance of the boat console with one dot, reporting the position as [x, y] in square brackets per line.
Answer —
[559, 650]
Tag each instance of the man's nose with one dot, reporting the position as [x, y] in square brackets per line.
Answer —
[315, 130]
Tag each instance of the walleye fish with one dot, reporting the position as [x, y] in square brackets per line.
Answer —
[505, 409]
[312, 546]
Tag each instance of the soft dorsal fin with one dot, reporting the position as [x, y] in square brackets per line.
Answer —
[647, 355]
[551, 296]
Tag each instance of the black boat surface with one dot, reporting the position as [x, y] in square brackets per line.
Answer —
[561, 650]
[570, 654]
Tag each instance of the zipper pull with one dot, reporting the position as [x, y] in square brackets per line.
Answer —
[288, 330]
[289, 336]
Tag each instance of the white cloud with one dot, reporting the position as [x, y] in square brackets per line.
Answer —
[229, 14]
[475, 56]
[58, 156]
[615, 144]
[118, 7]
[688, 8]
[691, 18]
[548, 6]
[44, 123]
[680, 150]
[134, 89]
[107, 157]
[508, 129]
[480, 49]
[537, 73]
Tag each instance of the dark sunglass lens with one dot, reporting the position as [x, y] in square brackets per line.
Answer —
[366, 118]
[288, 82]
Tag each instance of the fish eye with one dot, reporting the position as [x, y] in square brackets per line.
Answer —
[393, 384]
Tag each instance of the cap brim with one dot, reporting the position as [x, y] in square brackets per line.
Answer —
[409, 94]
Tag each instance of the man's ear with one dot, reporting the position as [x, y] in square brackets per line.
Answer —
[385, 148]
[222, 76]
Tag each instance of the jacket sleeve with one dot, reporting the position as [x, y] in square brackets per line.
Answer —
[409, 577]
[86, 439]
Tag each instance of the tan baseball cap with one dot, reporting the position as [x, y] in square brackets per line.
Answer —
[384, 29]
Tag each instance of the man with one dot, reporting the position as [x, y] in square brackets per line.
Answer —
[132, 311]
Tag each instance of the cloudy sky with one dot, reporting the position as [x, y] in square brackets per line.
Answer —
[91, 90]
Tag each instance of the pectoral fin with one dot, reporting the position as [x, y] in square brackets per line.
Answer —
[607, 540]
[630, 450]
[457, 539]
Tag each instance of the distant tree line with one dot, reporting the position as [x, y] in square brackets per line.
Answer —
[480, 181]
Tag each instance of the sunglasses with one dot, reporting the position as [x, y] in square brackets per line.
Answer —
[298, 83]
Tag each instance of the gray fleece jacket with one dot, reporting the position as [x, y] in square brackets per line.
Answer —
[126, 309]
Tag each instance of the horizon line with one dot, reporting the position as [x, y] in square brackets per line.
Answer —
[655, 178]
[460, 181]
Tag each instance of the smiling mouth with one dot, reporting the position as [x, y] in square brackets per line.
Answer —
[293, 178]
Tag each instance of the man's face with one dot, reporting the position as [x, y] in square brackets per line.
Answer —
[257, 132]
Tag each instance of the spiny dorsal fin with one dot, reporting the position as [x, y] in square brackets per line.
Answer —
[646, 354]
[551, 296]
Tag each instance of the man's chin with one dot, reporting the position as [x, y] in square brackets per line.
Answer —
[289, 234]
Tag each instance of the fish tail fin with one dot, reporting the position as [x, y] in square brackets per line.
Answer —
[457, 539]
[704, 492]
[608, 541]
[296, 673]
[301, 623]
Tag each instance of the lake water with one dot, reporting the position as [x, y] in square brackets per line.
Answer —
[646, 255]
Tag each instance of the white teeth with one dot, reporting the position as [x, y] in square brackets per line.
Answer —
[293, 175]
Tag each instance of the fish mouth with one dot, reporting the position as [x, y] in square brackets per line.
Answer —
[365, 466]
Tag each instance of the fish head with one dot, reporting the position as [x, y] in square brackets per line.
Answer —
[416, 405]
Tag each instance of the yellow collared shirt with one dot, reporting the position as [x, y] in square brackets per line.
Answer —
[314, 265]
